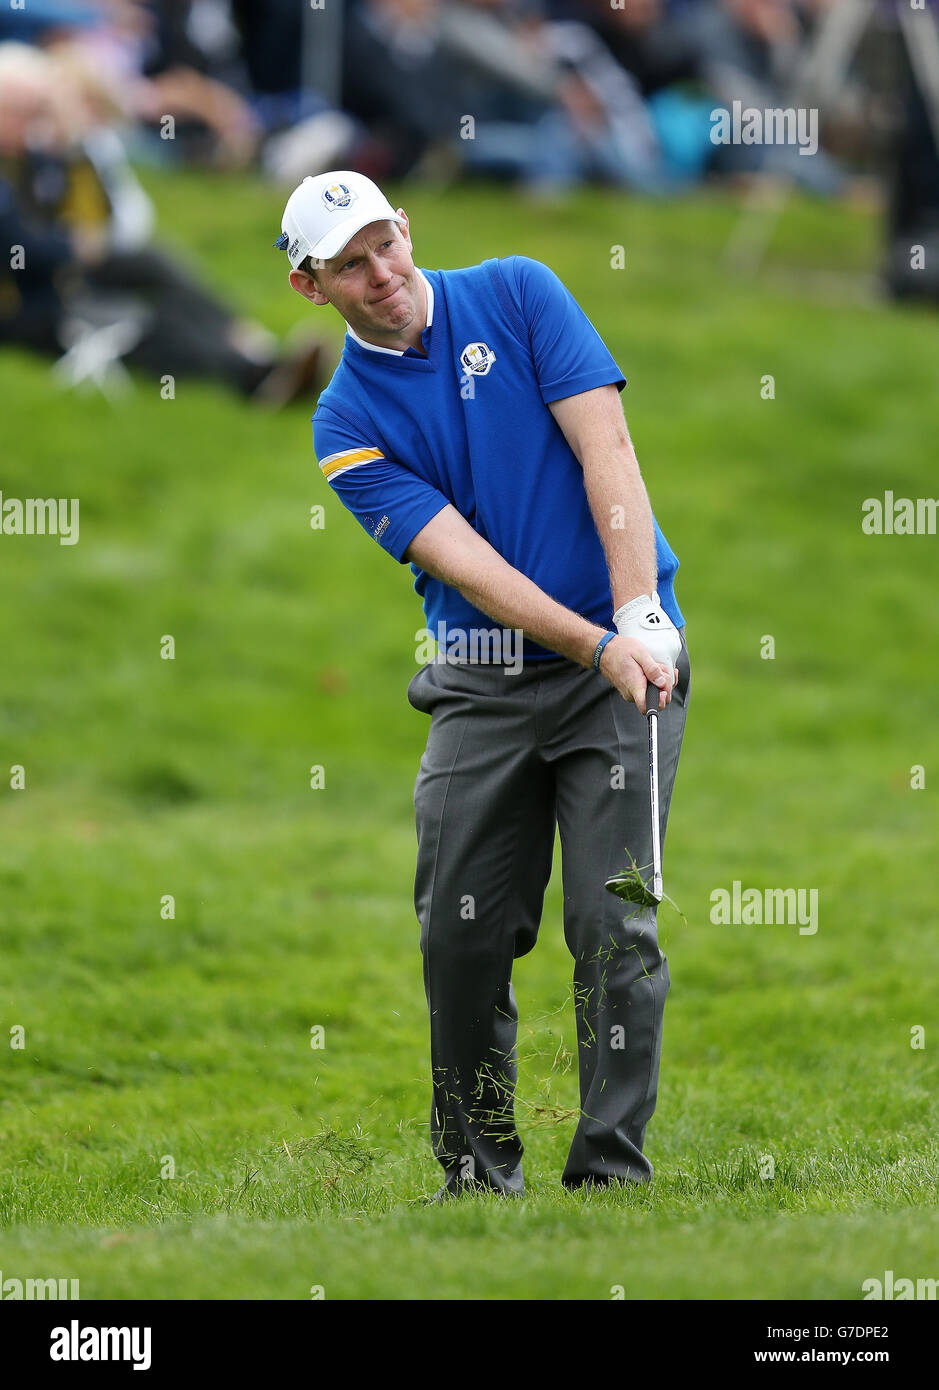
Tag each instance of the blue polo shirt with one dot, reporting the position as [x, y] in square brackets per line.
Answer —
[399, 435]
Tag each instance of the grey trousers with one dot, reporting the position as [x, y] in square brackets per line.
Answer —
[508, 757]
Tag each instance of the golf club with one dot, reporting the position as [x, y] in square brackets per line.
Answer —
[629, 884]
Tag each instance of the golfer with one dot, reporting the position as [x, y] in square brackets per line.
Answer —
[474, 428]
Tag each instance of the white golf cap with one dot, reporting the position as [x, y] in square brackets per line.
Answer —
[325, 212]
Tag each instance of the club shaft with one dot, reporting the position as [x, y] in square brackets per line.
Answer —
[653, 721]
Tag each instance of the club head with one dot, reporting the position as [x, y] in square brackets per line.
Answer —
[629, 886]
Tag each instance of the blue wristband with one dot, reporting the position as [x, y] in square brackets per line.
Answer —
[607, 637]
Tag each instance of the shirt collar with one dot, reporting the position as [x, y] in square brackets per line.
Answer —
[399, 352]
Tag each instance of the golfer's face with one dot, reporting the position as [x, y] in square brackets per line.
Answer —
[373, 282]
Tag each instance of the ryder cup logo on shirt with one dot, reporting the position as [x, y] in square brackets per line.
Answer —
[337, 195]
[477, 358]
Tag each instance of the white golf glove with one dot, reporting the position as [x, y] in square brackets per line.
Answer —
[645, 619]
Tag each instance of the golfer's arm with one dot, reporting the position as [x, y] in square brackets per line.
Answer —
[449, 549]
[594, 427]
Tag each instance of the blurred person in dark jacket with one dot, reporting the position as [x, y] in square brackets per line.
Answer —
[303, 132]
[912, 266]
[643, 38]
[398, 80]
[78, 225]
[503, 90]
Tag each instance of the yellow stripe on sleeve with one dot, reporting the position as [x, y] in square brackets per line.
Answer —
[334, 462]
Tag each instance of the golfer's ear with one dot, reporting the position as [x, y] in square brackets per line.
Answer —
[305, 284]
[406, 229]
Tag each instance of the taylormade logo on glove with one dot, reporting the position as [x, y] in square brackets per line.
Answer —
[645, 619]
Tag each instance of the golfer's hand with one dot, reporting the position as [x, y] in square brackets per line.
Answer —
[630, 666]
[645, 619]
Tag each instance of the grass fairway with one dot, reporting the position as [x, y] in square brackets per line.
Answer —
[157, 1046]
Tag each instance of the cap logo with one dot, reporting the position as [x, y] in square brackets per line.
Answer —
[338, 195]
[477, 358]
[293, 248]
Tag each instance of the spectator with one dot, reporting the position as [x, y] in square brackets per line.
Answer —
[748, 51]
[595, 124]
[399, 81]
[549, 104]
[913, 214]
[230, 79]
[559, 91]
[70, 200]
[302, 132]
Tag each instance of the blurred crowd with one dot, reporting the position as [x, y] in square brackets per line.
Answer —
[548, 94]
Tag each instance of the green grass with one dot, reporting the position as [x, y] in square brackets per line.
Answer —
[149, 1038]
